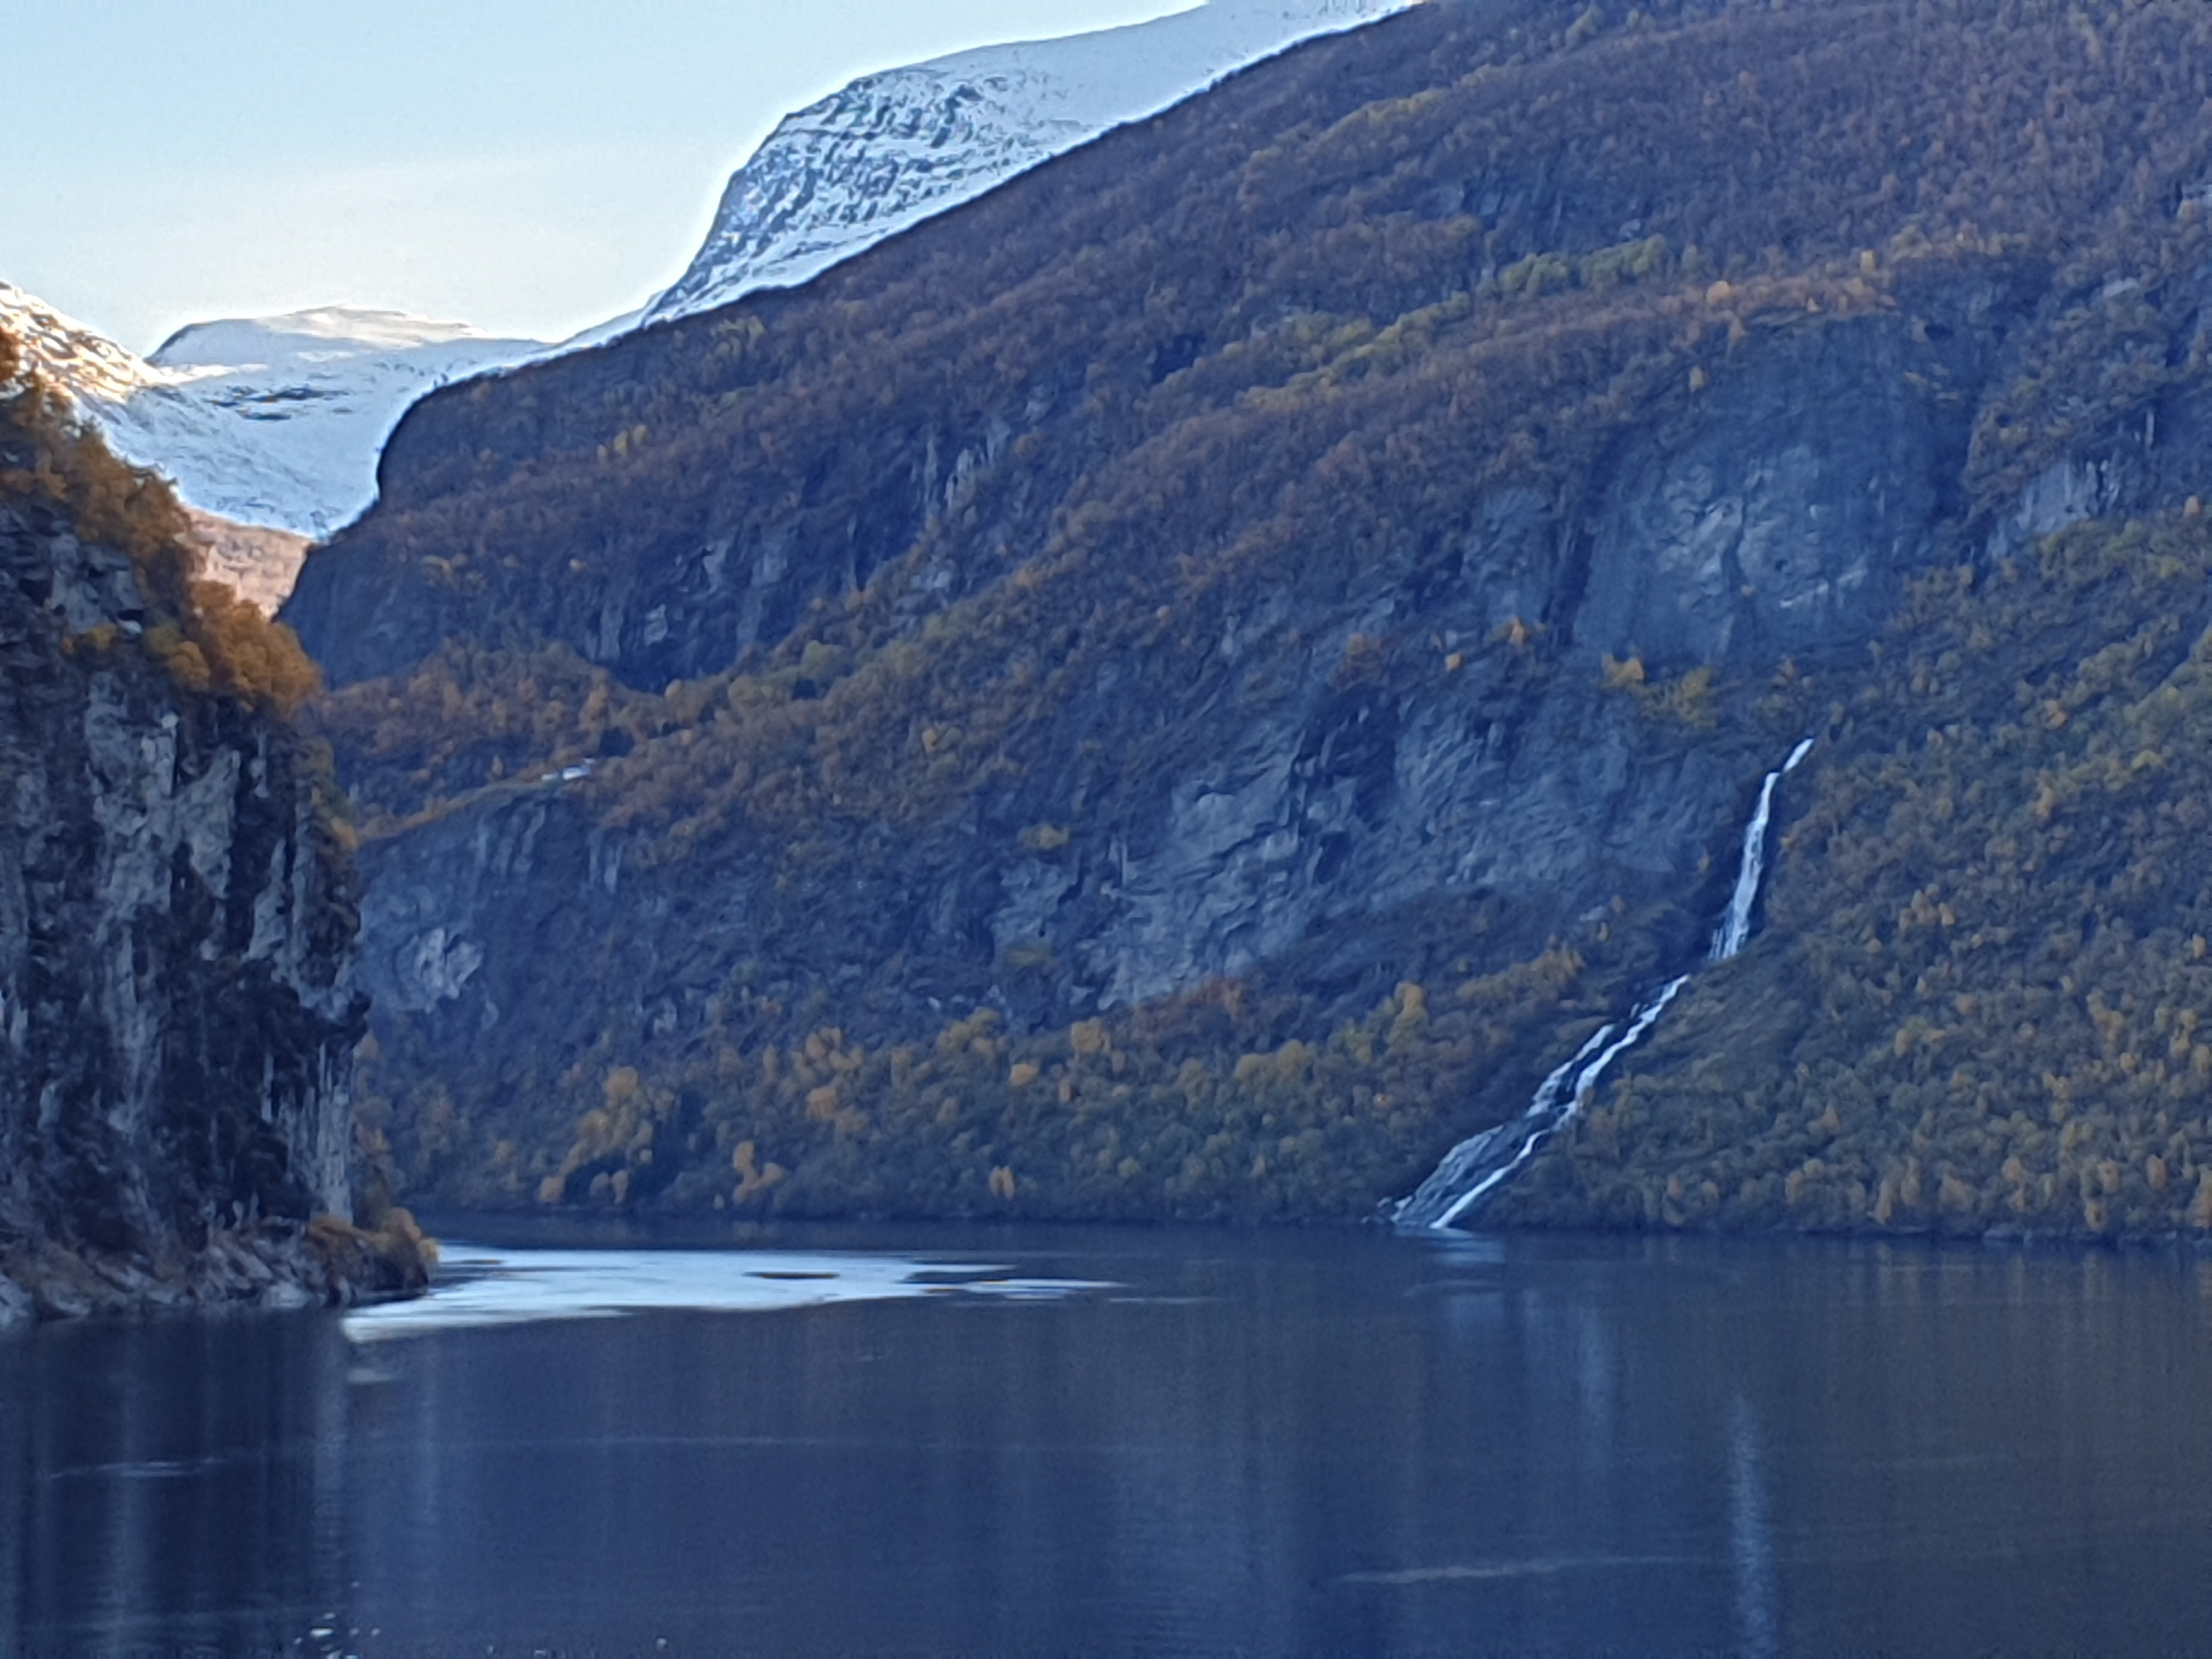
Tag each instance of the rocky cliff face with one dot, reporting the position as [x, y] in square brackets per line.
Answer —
[177, 1000]
[1254, 701]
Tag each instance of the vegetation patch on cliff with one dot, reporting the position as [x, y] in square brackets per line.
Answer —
[206, 637]
[1984, 999]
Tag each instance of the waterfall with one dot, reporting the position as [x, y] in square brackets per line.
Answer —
[1735, 927]
[1482, 1163]
[1468, 1173]
[1464, 1166]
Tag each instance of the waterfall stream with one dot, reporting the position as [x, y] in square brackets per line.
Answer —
[1735, 927]
[1482, 1163]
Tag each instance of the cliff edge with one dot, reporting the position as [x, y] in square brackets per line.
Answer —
[177, 1003]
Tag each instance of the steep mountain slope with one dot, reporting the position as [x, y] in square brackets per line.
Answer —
[1985, 999]
[891, 149]
[1190, 682]
[273, 423]
[177, 1003]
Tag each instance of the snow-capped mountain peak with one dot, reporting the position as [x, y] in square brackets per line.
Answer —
[270, 420]
[65, 353]
[893, 149]
[302, 339]
[278, 422]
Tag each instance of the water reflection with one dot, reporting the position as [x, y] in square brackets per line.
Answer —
[1278, 1444]
[159, 1493]
[1750, 1536]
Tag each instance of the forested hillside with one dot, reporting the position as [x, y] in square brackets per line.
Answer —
[1985, 999]
[1186, 685]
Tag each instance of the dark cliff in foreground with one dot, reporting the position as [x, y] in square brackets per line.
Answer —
[1187, 685]
[177, 1003]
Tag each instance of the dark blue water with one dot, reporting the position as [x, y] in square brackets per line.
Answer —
[1275, 1443]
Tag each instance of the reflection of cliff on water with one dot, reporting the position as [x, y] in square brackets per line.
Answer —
[175, 1483]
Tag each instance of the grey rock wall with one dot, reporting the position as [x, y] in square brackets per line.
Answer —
[1307, 647]
[177, 1002]
[1782, 522]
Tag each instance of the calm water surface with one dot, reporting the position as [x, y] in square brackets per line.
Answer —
[1138, 1442]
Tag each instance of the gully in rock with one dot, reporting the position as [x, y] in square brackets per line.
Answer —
[1482, 1164]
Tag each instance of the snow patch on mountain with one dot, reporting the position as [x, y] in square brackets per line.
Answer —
[279, 422]
[894, 148]
[271, 421]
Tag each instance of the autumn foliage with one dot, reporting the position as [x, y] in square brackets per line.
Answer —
[1269, 345]
[208, 638]
[1985, 999]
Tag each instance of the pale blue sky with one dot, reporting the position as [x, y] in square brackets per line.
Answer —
[532, 167]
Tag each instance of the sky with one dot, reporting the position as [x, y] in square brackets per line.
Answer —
[531, 167]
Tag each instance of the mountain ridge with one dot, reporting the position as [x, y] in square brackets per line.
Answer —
[276, 424]
[894, 148]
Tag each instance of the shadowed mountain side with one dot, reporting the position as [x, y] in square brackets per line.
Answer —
[1984, 1001]
[1187, 684]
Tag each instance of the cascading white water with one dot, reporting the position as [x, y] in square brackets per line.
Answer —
[1735, 928]
[1482, 1163]
[1468, 1168]
[1551, 1109]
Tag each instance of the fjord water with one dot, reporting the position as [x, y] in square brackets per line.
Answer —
[1142, 1441]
